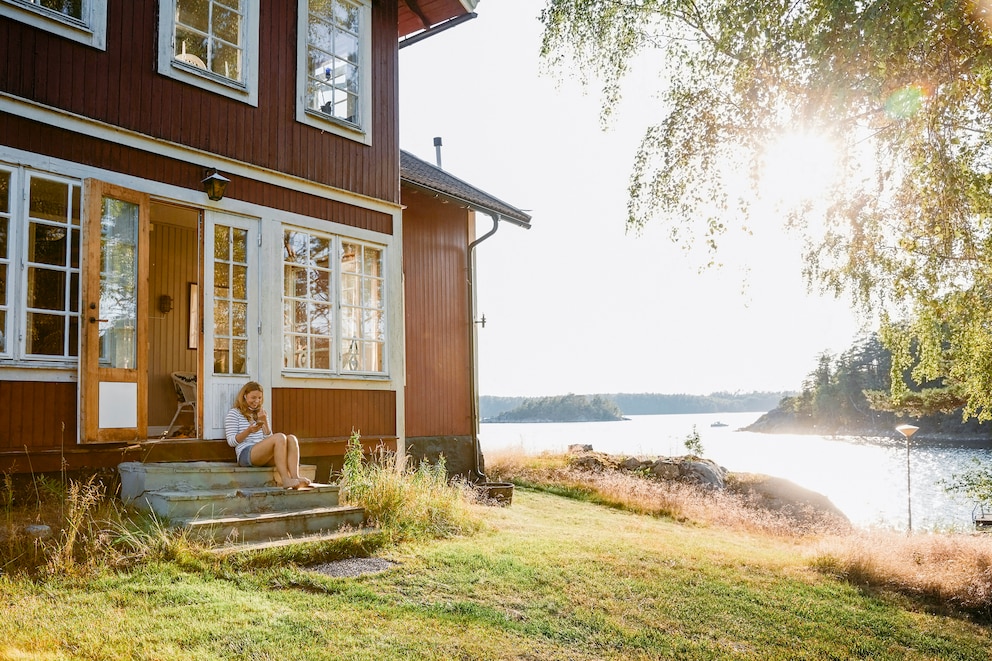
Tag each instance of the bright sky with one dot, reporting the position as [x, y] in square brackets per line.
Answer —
[575, 304]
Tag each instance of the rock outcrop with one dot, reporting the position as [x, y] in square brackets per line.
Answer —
[766, 492]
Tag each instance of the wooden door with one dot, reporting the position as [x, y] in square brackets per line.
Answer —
[113, 357]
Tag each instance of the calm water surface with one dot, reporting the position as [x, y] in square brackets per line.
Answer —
[866, 481]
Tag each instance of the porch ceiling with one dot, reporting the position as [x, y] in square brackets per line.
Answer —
[416, 15]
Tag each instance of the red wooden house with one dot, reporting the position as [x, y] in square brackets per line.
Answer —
[124, 260]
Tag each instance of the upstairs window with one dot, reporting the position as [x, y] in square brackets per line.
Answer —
[211, 43]
[84, 21]
[334, 62]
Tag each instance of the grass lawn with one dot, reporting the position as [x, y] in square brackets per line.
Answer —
[552, 578]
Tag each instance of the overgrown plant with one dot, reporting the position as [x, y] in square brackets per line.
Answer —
[694, 443]
[413, 503]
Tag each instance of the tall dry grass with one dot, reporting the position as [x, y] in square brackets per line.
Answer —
[940, 570]
[415, 503]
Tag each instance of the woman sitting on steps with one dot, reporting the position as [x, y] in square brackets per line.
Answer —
[248, 432]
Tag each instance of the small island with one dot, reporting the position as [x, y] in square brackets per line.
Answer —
[562, 408]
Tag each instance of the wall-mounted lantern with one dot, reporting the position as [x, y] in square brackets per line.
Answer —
[165, 304]
[214, 185]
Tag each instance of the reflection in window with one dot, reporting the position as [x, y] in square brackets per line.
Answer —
[70, 8]
[334, 30]
[333, 310]
[230, 300]
[209, 35]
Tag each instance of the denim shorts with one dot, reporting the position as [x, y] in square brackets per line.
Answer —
[244, 457]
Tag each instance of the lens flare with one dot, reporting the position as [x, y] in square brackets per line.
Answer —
[905, 102]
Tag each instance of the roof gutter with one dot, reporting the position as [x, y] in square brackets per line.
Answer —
[436, 29]
[477, 474]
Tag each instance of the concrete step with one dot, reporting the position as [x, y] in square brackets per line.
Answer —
[254, 527]
[138, 477]
[210, 503]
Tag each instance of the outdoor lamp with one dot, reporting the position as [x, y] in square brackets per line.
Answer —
[214, 185]
[907, 431]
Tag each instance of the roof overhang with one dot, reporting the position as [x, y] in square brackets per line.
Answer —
[423, 15]
[431, 179]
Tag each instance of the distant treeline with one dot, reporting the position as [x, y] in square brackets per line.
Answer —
[561, 408]
[655, 404]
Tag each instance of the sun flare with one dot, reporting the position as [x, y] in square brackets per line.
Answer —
[798, 168]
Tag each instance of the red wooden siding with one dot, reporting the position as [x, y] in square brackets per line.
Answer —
[32, 414]
[120, 86]
[59, 143]
[435, 245]
[323, 414]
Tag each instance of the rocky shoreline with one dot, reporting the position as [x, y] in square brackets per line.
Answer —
[763, 491]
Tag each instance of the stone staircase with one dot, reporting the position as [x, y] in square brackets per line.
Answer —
[232, 505]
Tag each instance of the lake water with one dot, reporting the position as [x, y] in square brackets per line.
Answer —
[866, 481]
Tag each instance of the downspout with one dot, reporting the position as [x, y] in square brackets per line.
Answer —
[477, 474]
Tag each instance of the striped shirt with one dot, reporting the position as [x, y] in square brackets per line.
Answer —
[234, 423]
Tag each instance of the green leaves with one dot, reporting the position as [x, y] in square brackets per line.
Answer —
[902, 88]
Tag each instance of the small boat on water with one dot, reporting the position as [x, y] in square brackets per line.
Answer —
[718, 424]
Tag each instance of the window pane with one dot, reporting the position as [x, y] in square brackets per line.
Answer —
[225, 59]
[3, 238]
[74, 249]
[47, 244]
[118, 282]
[294, 247]
[73, 8]
[239, 319]
[45, 334]
[194, 14]
[4, 192]
[76, 195]
[227, 24]
[321, 358]
[191, 47]
[239, 357]
[3, 336]
[240, 289]
[239, 244]
[222, 318]
[49, 200]
[46, 289]
[222, 242]
[3, 287]
[222, 283]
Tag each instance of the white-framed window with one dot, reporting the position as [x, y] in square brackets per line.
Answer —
[39, 266]
[212, 44]
[334, 307]
[231, 300]
[333, 67]
[84, 21]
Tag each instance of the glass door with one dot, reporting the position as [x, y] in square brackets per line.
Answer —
[113, 362]
[230, 301]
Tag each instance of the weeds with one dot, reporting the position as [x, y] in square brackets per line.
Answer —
[409, 504]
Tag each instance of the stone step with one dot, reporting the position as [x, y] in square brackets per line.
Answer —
[256, 527]
[210, 503]
[138, 477]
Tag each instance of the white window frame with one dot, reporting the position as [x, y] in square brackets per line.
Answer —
[362, 130]
[90, 30]
[336, 369]
[15, 351]
[245, 91]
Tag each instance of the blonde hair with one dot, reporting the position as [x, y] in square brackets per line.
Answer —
[241, 403]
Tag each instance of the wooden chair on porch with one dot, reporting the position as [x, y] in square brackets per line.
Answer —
[185, 385]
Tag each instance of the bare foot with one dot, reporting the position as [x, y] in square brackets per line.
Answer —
[291, 483]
